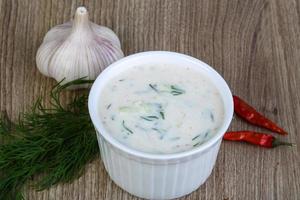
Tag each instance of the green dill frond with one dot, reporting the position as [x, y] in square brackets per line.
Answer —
[56, 142]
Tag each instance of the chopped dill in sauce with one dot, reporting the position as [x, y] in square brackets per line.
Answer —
[194, 138]
[155, 109]
[149, 118]
[162, 114]
[153, 87]
[126, 128]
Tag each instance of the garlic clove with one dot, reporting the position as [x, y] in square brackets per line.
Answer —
[102, 31]
[45, 53]
[78, 49]
[61, 31]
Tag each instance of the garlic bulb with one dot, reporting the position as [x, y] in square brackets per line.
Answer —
[77, 49]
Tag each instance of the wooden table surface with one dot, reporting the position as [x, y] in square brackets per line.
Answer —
[254, 44]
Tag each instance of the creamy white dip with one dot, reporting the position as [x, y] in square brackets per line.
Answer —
[161, 109]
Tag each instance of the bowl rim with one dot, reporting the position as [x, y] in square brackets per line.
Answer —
[95, 117]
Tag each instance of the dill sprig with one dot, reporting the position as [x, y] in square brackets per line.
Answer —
[54, 142]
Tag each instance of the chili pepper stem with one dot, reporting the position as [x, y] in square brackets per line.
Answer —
[277, 142]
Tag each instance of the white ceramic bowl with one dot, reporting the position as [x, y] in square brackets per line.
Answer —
[157, 176]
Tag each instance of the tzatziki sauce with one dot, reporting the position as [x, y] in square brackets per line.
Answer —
[161, 109]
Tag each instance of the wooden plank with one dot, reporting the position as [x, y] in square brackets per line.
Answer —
[254, 44]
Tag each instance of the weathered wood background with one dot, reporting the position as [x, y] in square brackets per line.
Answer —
[254, 44]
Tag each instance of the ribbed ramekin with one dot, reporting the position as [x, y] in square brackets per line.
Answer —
[158, 176]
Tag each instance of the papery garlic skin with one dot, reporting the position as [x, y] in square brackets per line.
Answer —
[77, 49]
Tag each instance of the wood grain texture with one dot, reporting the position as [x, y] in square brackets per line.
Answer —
[254, 44]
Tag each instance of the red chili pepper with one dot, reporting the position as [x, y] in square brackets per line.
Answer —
[260, 139]
[248, 113]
